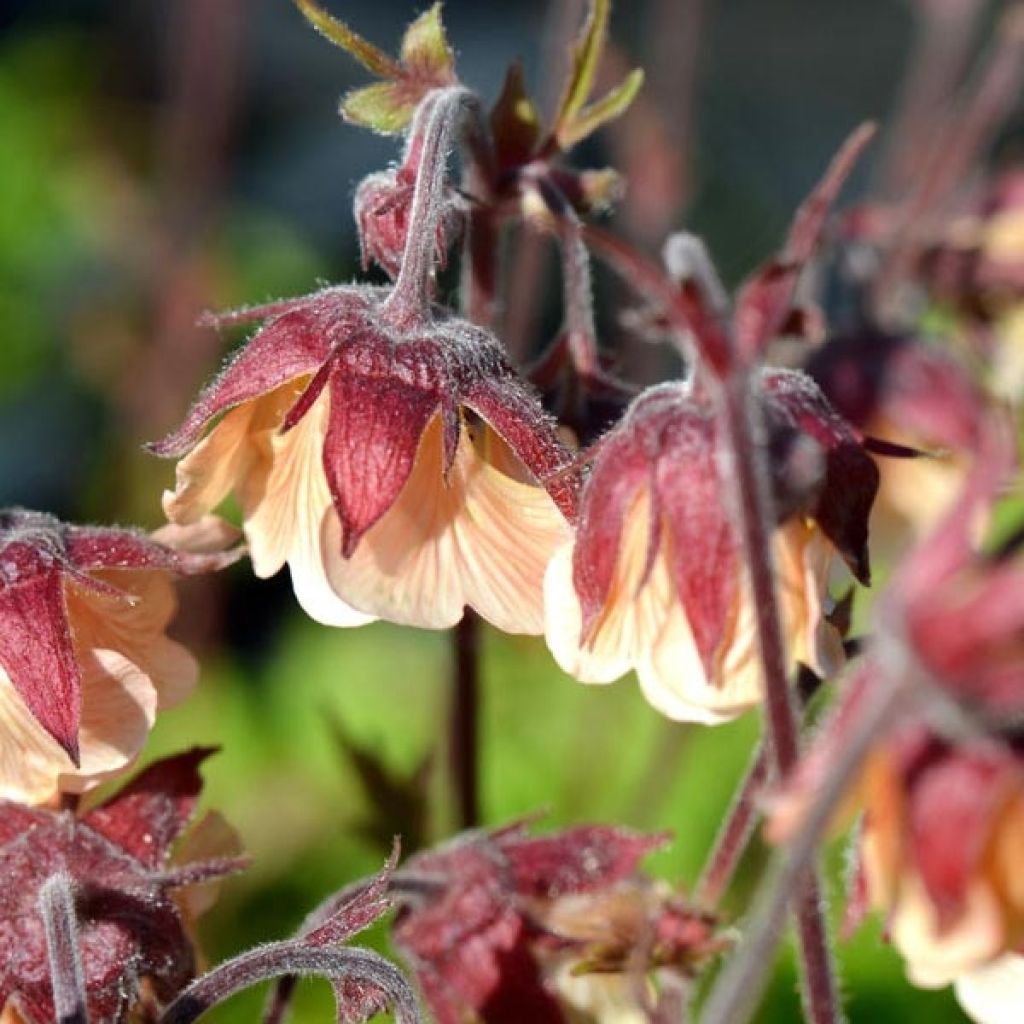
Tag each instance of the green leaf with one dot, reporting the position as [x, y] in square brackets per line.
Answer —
[515, 122]
[612, 105]
[425, 49]
[586, 54]
[372, 58]
[386, 107]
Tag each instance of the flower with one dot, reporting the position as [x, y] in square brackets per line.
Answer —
[390, 459]
[132, 900]
[940, 853]
[84, 660]
[654, 579]
[501, 926]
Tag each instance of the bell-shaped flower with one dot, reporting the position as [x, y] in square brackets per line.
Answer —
[400, 467]
[85, 663]
[135, 895]
[654, 580]
[383, 447]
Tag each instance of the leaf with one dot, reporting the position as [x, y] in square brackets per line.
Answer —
[515, 121]
[585, 56]
[372, 58]
[425, 50]
[386, 107]
[612, 105]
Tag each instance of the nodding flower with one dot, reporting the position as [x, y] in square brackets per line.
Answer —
[85, 662]
[654, 579]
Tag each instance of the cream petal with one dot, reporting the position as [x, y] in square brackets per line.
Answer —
[284, 522]
[634, 612]
[205, 477]
[994, 994]
[135, 628]
[119, 706]
[937, 957]
[480, 539]
[29, 759]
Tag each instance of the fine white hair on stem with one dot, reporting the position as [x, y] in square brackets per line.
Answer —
[686, 258]
[60, 922]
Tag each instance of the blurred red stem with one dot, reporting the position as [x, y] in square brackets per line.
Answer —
[465, 720]
[732, 840]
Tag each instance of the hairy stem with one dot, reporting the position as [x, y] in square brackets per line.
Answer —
[362, 967]
[464, 733]
[737, 989]
[57, 909]
[441, 111]
[781, 721]
[732, 840]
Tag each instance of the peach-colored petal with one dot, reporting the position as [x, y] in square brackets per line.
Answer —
[643, 624]
[994, 993]
[284, 518]
[480, 539]
[210, 839]
[599, 998]
[207, 535]
[633, 616]
[205, 477]
[935, 957]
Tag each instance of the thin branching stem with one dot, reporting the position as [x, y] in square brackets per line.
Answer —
[57, 909]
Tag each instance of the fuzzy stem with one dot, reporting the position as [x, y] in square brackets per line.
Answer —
[738, 987]
[277, 959]
[579, 295]
[57, 909]
[744, 440]
[464, 732]
[732, 840]
[409, 301]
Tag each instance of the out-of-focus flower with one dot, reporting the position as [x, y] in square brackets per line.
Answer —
[940, 851]
[502, 927]
[393, 462]
[914, 395]
[942, 835]
[132, 897]
[654, 579]
[85, 663]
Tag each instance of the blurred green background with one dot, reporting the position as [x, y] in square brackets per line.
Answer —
[164, 158]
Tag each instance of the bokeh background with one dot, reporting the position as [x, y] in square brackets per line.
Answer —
[161, 158]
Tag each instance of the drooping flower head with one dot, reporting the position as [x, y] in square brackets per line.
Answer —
[133, 894]
[655, 578]
[384, 448]
[501, 926]
[84, 660]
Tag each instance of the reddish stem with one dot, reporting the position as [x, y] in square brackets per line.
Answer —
[731, 842]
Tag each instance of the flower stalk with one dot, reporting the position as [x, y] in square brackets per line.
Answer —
[781, 722]
[57, 909]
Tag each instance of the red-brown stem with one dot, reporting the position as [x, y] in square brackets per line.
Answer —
[740, 984]
[464, 736]
[731, 842]
[409, 301]
[781, 722]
